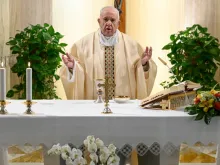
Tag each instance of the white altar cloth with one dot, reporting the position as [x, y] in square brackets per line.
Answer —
[71, 121]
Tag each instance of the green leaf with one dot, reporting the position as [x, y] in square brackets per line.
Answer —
[192, 112]
[46, 25]
[214, 51]
[199, 116]
[56, 77]
[10, 94]
[15, 48]
[35, 57]
[46, 36]
[167, 47]
[12, 42]
[18, 87]
[63, 44]
[51, 30]
[207, 119]
[172, 37]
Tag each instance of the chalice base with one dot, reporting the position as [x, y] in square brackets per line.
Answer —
[107, 110]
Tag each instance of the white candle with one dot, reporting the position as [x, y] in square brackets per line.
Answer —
[29, 83]
[2, 83]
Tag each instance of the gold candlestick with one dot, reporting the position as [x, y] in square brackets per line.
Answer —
[29, 106]
[3, 104]
[106, 85]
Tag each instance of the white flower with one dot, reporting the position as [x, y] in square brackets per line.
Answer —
[104, 150]
[64, 155]
[92, 147]
[76, 153]
[79, 161]
[99, 143]
[113, 160]
[56, 149]
[90, 139]
[103, 158]
[66, 148]
[69, 161]
[92, 163]
[85, 142]
[111, 148]
[94, 157]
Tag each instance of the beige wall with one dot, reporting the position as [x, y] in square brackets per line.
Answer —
[76, 18]
[152, 22]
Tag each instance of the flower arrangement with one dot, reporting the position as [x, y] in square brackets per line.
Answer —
[99, 154]
[206, 105]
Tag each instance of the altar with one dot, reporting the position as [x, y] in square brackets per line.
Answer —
[129, 127]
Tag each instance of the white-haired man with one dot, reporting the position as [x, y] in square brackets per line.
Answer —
[108, 52]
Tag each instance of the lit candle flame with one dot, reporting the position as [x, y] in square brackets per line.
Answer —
[2, 64]
[29, 64]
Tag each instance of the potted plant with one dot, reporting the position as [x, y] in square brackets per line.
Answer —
[194, 55]
[39, 45]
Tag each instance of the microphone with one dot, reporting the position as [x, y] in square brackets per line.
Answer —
[186, 97]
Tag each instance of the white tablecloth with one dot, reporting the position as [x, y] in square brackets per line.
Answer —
[72, 121]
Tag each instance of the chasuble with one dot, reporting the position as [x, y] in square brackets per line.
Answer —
[130, 78]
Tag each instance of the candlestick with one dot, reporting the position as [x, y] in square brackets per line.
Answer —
[29, 83]
[2, 83]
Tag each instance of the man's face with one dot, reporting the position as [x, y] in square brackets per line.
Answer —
[108, 22]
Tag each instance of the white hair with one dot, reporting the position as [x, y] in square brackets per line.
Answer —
[106, 7]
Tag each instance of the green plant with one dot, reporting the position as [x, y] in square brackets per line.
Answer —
[194, 55]
[40, 46]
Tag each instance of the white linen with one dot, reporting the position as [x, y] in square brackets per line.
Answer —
[72, 121]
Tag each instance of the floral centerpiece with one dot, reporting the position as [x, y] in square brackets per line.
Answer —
[206, 105]
[99, 154]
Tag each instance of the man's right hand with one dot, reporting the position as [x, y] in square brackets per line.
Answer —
[68, 61]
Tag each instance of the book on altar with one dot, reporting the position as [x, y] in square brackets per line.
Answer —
[198, 154]
[176, 96]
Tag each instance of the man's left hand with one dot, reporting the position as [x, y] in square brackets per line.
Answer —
[146, 55]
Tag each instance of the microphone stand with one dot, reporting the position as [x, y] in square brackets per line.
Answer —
[186, 97]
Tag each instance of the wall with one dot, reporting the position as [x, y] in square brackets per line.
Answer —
[152, 22]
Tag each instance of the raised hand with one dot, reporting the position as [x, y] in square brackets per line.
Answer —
[68, 61]
[146, 55]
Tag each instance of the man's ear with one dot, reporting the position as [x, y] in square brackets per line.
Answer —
[98, 20]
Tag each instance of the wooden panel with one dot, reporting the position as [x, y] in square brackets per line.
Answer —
[122, 26]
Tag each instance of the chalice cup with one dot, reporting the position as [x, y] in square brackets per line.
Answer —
[100, 88]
